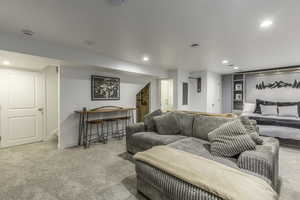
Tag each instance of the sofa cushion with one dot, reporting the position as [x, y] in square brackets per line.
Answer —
[205, 124]
[146, 140]
[167, 124]
[185, 122]
[201, 148]
[230, 139]
[149, 122]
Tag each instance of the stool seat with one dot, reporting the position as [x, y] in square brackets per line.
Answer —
[110, 119]
[96, 121]
[124, 118]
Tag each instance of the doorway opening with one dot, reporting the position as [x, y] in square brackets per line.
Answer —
[166, 94]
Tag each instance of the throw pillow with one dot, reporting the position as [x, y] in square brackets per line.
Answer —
[290, 104]
[269, 110]
[249, 107]
[288, 111]
[167, 124]
[230, 139]
[149, 122]
[251, 128]
[261, 102]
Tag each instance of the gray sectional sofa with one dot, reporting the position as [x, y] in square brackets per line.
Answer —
[193, 138]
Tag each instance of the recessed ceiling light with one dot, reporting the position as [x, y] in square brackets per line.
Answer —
[236, 68]
[6, 62]
[225, 62]
[266, 23]
[146, 58]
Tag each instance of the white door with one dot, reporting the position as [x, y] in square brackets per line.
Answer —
[22, 107]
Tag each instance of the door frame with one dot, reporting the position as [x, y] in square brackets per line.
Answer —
[43, 92]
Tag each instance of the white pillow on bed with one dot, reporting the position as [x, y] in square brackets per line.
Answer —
[249, 107]
[269, 110]
[288, 111]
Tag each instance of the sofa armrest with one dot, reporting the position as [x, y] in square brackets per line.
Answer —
[130, 130]
[135, 128]
[263, 161]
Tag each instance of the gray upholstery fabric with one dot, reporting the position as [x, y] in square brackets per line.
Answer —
[202, 148]
[263, 161]
[205, 124]
[230, 139]
[251, 128]
[158, 185]
[185, 122]
[146, 140]
[149, 122]
[130, 130]
[167, 124]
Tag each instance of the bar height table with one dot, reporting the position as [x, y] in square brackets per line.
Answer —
[84, 115]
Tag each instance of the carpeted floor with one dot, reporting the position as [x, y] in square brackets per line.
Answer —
[103, 172]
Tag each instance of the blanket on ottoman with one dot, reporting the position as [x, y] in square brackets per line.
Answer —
[220, 180]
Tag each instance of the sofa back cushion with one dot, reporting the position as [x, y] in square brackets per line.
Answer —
[149, 122]
[185, 121]
[205, 124]
[167, 124]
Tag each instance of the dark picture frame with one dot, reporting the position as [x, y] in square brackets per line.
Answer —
[105, 88]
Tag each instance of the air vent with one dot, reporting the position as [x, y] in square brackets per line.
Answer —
[27, 32]
[118, 2]
[195, 45]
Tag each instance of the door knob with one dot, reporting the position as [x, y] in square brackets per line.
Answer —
[41, 109]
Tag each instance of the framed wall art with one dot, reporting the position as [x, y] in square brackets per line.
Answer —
[105, 88]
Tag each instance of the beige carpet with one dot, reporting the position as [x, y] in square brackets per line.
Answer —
[41, 172]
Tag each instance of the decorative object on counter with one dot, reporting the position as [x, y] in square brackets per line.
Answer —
[238, 97]
[277, 84]
[238, 87]
[105, 88]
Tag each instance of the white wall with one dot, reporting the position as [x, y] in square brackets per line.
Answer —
[182, 76]
[198, 101]
[277, 94]
[214, 92]
[51, 78]
[209, 99]
[75, 93]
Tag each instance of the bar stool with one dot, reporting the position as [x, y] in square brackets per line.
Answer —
[124, 123]
[102, 137]
[109, 122]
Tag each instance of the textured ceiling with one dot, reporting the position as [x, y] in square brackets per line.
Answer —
[164, 29]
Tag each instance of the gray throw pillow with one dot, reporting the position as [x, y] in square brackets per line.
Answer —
[167, 124]
[288, 111]
[149, 122]
[230, 139]
[251, 128]
[269, 110]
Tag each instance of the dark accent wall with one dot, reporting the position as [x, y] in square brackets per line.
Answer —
[227, 93]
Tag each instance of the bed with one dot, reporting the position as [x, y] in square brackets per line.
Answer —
[271, 119]
[275, 126]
